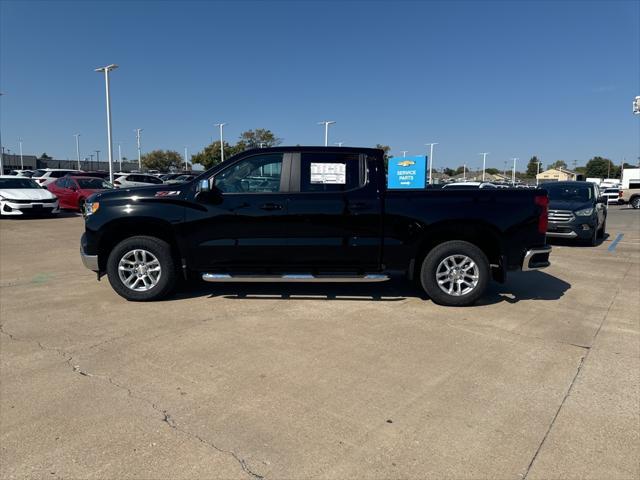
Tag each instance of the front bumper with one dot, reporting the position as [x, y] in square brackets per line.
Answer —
[536, 258]
[7, 207]
[582, 229]
[89, 261]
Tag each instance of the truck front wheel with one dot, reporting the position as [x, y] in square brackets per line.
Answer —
[455, 273]
[141, 268]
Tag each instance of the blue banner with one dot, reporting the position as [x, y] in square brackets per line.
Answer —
[407, 172]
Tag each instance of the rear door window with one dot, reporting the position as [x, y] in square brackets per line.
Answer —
[330, 172]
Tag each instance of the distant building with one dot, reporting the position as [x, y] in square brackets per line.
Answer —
[556, 175]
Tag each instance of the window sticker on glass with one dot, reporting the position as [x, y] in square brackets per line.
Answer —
[329, 173]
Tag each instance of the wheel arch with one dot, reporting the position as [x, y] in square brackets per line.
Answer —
[121, 229]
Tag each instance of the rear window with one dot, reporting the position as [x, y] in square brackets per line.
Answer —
[59, 173]
[93, 183]
[38, 173]
[330, 172]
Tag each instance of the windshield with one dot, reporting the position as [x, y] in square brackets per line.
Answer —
[569, 193]
[38, 173]
[93, 183]
[18, 182]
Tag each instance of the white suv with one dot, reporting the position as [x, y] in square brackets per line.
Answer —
[45, 176]
[136, 180]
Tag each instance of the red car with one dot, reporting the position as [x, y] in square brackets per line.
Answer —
[72, 191]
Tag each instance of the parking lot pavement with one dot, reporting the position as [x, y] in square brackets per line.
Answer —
[541, 380]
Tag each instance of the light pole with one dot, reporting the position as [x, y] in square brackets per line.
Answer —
[404, 153]
[430, 159]
[464, 172]
[1, 149]
[77, 135]
[186, 163]
[138, 130]
[21, 161]
[120, 154]
[221, 125]
[106, 71]
[484, 162]
[538, 171]
[98, 158]
[513, 174]
[338, 143]
[326, 124]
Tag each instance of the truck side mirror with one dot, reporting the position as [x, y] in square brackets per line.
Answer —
[206, 193]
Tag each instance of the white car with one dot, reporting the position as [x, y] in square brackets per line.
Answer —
[612, 195]
[21, 173]
[21, 195]
[45, 176]
[136, 180]
[459, 185]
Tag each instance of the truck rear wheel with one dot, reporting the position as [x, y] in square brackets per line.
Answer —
[455, 273]
[141, 268]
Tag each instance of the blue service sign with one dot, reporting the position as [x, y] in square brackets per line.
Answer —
[407, 172]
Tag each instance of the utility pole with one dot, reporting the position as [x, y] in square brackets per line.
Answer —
[77, 135]
[484, 162]
[106, 71]
[98, 157]
[138, 130]
[221, 125]
[21, 161]
[430, 159]
[326, 124]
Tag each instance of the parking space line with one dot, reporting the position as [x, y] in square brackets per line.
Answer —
[614, 244]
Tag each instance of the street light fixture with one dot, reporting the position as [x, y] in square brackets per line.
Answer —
[221, 125]
[430, 159]
[513, 173]
[338, 143]
[404, 153]
[186, 163]
[106, 71]
[484, 162]
[326, 124]
[138, 130]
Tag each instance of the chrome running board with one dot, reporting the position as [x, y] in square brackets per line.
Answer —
[294, 277]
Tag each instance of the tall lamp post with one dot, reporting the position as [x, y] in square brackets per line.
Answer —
[1, 149]
[138, 130]
[221, 126]
[120, 154]
[538, 171]
[484, 162]
[186, 163]
[21, 161]
[77, 135]
[430, 159]
[326, 124]
[513, 173]
[404, 153]
[106, 71]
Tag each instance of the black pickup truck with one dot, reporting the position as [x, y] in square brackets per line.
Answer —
[311, 214]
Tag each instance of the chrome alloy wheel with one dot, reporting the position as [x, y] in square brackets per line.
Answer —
[139, 270]
[457, 275]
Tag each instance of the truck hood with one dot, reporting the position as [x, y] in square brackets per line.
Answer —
[136, 193]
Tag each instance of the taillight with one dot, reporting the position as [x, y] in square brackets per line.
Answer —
[543, 220]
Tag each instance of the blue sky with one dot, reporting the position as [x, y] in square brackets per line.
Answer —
[553, 79]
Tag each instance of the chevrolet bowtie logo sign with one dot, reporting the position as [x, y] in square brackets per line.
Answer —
[406, 163]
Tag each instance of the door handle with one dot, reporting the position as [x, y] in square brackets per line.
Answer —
[358, 206]
[271, 206]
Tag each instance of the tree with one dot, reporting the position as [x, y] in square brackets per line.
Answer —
[532, 167]
[599, 167]
[492, 171]
[558, 164]
[258, 138]
[44, 156]
[385, 149]
[162, 160]
[459, 170]
[210, 156]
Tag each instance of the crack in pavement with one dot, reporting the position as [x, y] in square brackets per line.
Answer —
[573, 381]
[166, 416]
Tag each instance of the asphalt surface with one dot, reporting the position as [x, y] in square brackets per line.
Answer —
[541, 380]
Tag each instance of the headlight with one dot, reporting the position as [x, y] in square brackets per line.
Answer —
[90, 208]
[584, 212]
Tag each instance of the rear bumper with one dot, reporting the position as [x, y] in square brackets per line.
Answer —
[536, 258]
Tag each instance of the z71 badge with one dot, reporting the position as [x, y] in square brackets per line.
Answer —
[166, 193]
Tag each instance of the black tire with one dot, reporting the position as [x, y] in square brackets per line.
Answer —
[635, 202]
[81, 205]
[433, 261]
[158, 248]
[603, 230]
[593, 240]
